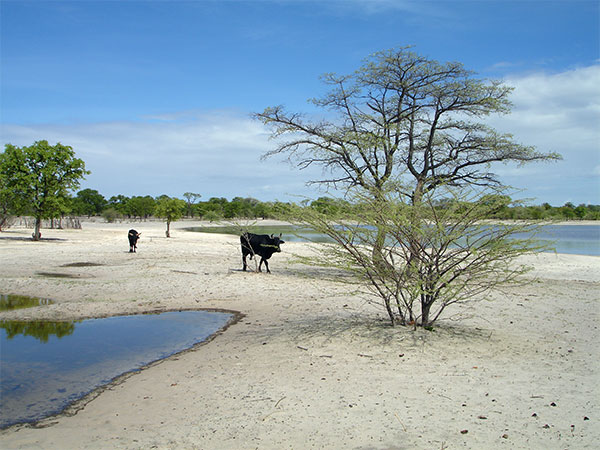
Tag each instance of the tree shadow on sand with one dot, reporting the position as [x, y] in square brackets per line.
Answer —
[369, 331]
[82, 264]
[62, 275]
[28, 239]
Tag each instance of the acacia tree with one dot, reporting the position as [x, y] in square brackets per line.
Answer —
[40, 177]
[191, 198]
[398, 129]
[452, 255]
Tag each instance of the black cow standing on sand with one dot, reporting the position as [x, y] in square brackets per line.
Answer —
[261, 245]
[133, 238]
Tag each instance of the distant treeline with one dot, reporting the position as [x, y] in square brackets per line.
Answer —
[89, 202]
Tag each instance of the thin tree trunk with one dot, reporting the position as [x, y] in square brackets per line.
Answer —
[413, 263]
[426, 304]
[388, 307]
[36, 233]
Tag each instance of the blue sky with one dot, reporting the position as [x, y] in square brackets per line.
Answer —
[156, 96]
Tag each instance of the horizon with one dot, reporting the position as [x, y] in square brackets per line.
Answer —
[156, 97]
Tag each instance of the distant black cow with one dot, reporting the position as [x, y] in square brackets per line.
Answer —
[261, 245]
[133, 238]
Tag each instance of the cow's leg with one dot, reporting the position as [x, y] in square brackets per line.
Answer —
[260, 263]
[266, 265]
[244, 261]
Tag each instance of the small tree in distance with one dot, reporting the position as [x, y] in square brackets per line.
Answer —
[398, 130]
[171, 209]
[191, 198]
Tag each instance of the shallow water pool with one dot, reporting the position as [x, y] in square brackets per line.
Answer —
[9, 302]
[46, 366]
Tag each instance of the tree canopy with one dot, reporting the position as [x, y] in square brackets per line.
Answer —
[89, 202]
[401, 117]
[39, 178]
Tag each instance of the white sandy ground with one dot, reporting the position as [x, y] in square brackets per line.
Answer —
[310, 366]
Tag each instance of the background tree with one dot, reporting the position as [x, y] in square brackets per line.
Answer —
[191, 198]
[397, 129]
[171, 209]
[142, 207]
[119, 203]
[89, 202]
[214, 208]
[40, 177]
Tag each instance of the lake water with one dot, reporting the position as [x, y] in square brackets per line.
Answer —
[571, 239]
[45, 366]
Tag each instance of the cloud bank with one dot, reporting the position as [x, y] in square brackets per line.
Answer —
[214, 154]
[217, 153]
[560, 113]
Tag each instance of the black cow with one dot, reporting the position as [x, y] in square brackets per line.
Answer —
[261, 245]
[133, 237]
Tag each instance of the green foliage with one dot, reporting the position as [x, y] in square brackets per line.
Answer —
[89, 202]
[212, 216]
[217, 208]
[435, 254]
[142, 207]
[7, 199]
[325, 206]
[111, 214]
[119, 202]
[40, 177]
[171, 209]
[191, 198]
[518, 211]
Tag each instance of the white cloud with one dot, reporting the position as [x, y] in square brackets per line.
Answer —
[560, 113]
[215, 154]
[565, 104]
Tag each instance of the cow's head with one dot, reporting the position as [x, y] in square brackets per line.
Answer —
[276, 242]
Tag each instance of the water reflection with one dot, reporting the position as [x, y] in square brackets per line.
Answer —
[9, 302]
[40, 330]
[46, 366]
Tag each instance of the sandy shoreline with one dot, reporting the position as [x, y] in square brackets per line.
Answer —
[309, 366]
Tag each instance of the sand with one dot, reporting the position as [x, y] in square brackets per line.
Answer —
[309, 365]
